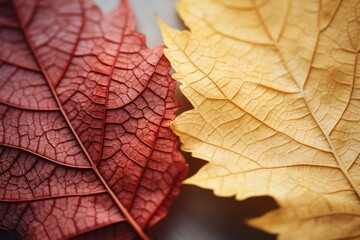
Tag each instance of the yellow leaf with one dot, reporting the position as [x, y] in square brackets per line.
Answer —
[275, 87]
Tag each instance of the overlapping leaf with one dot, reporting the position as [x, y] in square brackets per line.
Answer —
[85, 146]
[275, 87]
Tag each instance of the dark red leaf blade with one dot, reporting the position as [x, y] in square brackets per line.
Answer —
[85, 144]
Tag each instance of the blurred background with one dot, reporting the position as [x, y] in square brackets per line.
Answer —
[197, 213]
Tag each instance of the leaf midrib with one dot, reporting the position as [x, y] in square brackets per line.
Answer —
[122, 209]
[333, 150]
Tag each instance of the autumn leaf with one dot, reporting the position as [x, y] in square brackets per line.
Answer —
[275, 87]
[85, 145]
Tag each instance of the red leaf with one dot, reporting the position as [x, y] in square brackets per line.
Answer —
[85, 144]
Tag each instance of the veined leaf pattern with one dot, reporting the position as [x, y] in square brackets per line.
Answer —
[85, 145]
[275, 87]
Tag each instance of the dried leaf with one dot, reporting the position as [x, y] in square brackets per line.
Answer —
[275, 87]
[85, 144]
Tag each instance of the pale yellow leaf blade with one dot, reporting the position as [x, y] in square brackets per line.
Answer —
[275, 87]
[312, 222]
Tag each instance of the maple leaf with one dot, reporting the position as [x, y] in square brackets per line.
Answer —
[276, 93]
[85, 145]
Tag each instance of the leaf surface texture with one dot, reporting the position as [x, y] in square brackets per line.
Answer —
[275, 87]
[85, 145]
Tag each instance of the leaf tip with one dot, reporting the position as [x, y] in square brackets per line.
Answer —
[167, 32]
[253, 222]
[124, 4]
[189, 181]
[161, 23]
